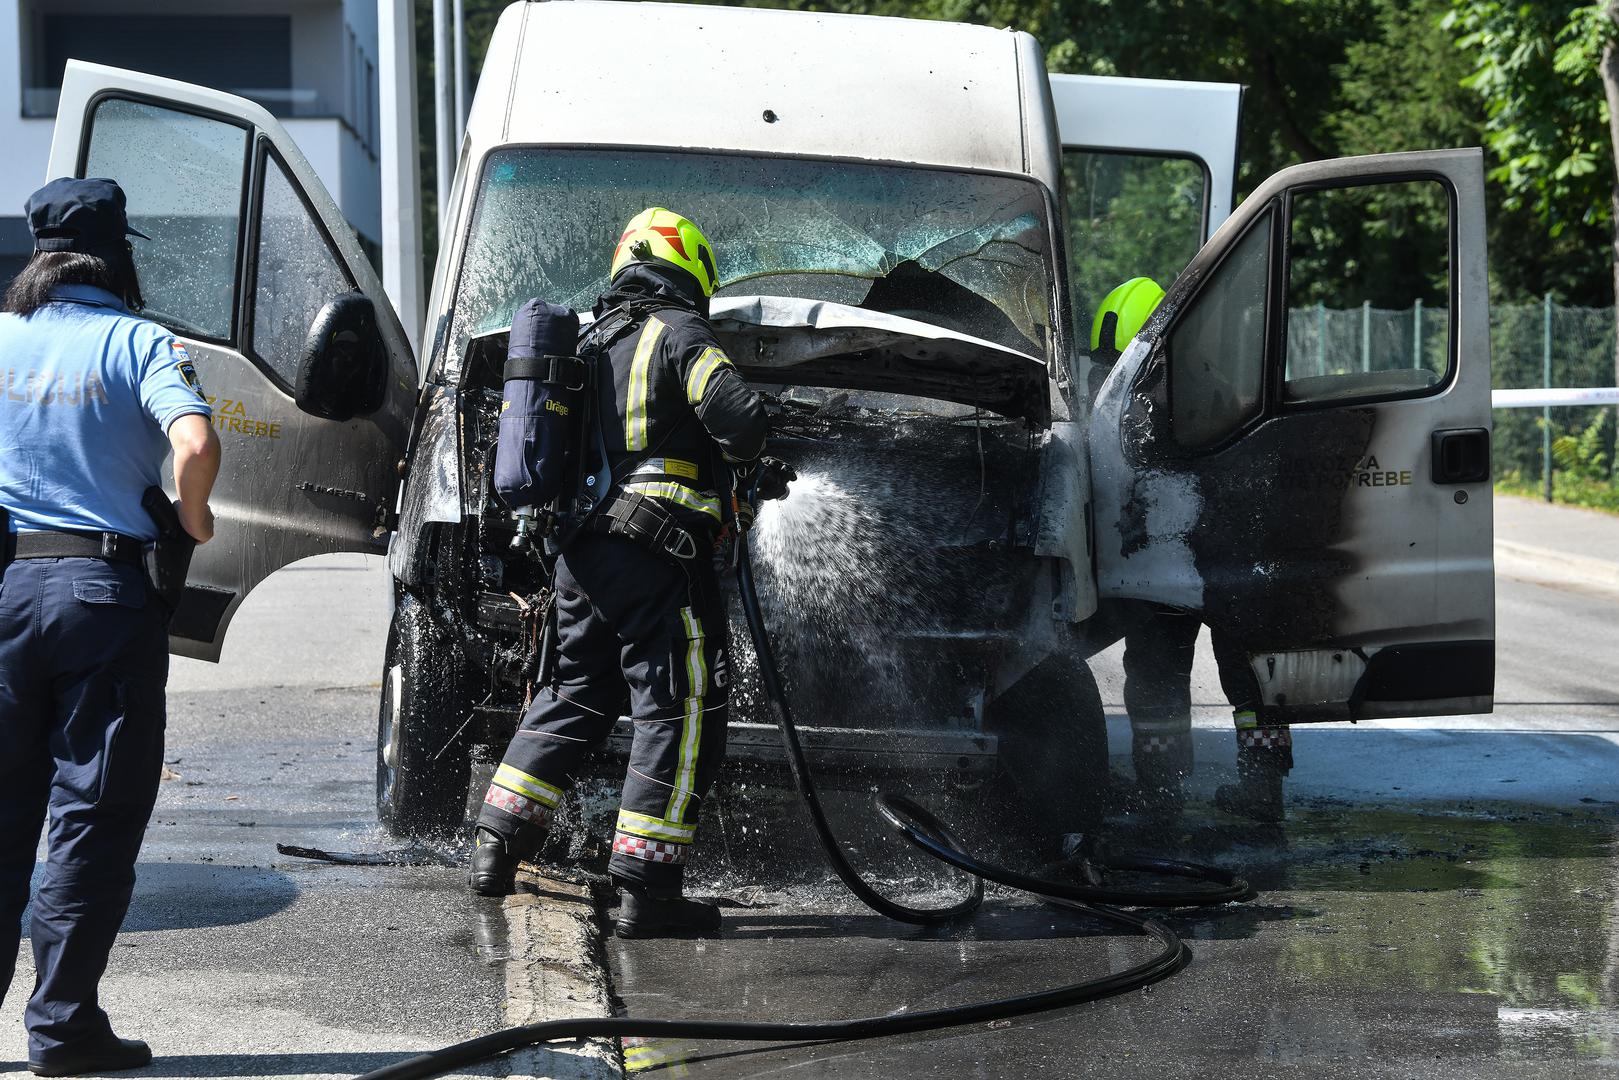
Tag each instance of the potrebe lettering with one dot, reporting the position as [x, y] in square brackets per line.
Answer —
[230, 415]
[1335, 473]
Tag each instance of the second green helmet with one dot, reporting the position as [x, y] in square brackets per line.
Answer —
[1130, 304]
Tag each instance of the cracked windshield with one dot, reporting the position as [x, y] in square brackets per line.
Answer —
[960, 250]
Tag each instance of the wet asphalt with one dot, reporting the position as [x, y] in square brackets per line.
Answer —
[1444, 901]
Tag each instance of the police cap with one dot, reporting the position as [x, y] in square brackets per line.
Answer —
[80, 215]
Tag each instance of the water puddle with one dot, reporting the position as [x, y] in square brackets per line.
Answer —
[1456, 941]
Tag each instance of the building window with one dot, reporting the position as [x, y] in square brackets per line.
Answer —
[205, 49]
[371, 124]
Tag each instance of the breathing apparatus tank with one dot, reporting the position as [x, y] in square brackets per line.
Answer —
[537, 447]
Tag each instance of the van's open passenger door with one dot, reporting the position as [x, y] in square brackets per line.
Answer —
[1297, 445]
[1149, 172]
[252, 265]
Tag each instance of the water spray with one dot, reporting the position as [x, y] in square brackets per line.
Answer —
[923, 830]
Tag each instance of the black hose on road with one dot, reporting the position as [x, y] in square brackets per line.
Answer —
[924, 830]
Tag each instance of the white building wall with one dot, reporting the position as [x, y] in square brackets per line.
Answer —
[324, 60]
[317, 55]
[359, 192]
[27, 141]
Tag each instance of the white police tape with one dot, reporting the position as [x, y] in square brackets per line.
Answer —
[1538, 398]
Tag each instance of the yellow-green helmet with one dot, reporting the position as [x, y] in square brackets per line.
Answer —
[1129, 304]
[656, 235]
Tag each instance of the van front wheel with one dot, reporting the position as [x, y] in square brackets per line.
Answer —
[424, 756]
[1052, 734]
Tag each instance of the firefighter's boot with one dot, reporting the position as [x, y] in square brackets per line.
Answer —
[1264, 758]
[494, 865]
[646, 912]
[1163, 761]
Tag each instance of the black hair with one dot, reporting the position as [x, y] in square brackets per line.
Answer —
[31, 288]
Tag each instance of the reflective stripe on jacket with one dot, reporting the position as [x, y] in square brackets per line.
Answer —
[677, 395]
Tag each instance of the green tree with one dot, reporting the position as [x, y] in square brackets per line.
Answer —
[480, 17]
[1404, 87]
[1548, 78]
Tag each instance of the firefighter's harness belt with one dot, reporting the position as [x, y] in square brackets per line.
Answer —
[646, 521]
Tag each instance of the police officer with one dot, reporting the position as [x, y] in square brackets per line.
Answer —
[1159, 646]
[641, 629]
[94, 398]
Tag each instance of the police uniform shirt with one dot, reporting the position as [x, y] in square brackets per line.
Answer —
[87, 394]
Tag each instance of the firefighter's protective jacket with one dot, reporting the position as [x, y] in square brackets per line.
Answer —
[675, 403]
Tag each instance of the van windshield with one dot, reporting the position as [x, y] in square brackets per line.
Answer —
[967, 251]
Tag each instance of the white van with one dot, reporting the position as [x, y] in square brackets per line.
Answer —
[914, 224]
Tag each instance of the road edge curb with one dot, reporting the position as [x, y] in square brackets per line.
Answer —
[1527, 561]
[556, 970]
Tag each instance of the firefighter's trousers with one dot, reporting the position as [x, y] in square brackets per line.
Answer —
[636, 636]
[1160, 645]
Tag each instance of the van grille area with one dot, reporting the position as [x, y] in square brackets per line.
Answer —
[895, 578]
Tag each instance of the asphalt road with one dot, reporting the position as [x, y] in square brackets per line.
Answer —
[1444, 904]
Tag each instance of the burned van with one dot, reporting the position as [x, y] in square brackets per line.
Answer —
[910, 219]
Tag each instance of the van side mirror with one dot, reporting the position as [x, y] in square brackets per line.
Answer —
[343, 367]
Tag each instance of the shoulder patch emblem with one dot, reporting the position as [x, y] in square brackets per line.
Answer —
[187, 370]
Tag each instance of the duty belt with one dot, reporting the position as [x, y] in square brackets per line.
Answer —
[114, 547]
[643, 519]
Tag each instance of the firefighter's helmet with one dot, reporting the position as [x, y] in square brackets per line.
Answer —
[660, 236]
[1128, 305]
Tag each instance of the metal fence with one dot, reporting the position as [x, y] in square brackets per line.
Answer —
[1327, 341]
[1532, 345]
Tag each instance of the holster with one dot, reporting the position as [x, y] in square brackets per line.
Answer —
[169, 560]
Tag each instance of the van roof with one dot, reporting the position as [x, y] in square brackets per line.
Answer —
[684, 76]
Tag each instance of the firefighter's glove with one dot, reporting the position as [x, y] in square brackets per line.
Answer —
[771, 479]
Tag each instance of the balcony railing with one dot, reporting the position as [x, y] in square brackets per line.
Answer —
[41, 101]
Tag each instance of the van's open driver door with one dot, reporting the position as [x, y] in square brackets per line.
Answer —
[248, 254]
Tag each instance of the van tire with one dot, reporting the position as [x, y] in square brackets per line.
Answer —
[423, 765]
[1052, 736]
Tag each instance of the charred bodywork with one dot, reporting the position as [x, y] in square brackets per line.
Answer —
[903, 598]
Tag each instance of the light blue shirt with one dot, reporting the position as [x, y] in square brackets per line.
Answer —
[87, 394]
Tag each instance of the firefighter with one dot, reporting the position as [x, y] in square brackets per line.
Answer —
[1159, 645]
[1159, 641]
[98, 398]
[640, 627]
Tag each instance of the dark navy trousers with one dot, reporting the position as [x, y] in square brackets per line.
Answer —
[84, 658]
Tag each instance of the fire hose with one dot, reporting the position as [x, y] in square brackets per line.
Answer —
[926, 832]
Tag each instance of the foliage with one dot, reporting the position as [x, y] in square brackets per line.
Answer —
[480, 17]
[1398, 88]
[1546, 120]
[1567, 488]
[1404, 87]
[1385, 244]
[1128, 216]
[1588, 453]
[1327, 78]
